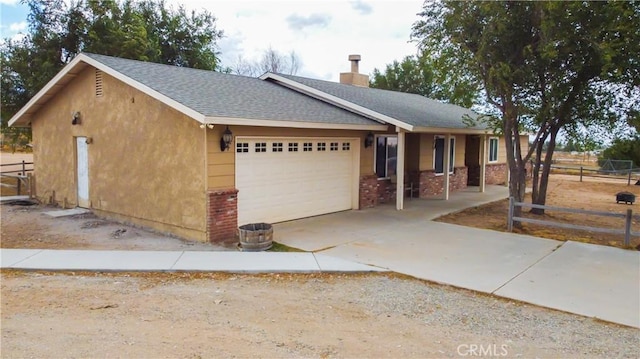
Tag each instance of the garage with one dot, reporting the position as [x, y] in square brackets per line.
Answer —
[281, 179]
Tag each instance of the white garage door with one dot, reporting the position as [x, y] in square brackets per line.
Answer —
[284, 179]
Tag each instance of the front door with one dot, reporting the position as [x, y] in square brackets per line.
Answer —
[82, 171]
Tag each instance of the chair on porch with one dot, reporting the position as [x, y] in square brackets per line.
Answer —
[408, 186]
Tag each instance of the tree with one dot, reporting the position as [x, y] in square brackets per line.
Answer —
[624, 149]
[421, 75]
[545, 67]
[271, 61]
[144, 30]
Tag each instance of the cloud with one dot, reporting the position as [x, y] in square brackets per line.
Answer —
[361, 7]
[298, 22]
[8, 2]
[18, 26]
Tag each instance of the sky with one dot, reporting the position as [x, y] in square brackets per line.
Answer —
[321, 33]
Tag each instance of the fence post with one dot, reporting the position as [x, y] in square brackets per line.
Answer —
[629, 178]
[627, 228]
[23, 168]
[580, 173]
[510, 215]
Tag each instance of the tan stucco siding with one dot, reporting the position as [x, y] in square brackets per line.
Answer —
[221, 165]
[146, 161]
[502, 147]
[427, 141]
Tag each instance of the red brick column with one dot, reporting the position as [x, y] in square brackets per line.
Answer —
[368, 191]
[222, 215]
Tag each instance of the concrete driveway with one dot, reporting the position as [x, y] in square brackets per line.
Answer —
[585, 279]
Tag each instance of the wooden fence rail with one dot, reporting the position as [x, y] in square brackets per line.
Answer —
[22, 172]
[627, 232]
[23, 176]
[604, 173]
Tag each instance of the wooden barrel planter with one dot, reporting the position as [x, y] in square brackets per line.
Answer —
[255, 237]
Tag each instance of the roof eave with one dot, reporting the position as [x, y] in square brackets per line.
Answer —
[215, 120]
[461, 131]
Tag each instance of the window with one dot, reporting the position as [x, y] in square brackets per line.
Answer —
[438, 154]
[276, 147]
[242, 147]
[293, 146]
[261, 147]
[386, 156]
[334, 146]
[346, 146]
[322, 146]
[493, 149]
[307, 147]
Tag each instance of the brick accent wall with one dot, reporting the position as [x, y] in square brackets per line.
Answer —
[222, 216]
[432, 185]
[368, 191]
[496, 173]
[386, 191]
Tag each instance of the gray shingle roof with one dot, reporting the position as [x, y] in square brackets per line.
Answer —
[217, 94]
[413, 109]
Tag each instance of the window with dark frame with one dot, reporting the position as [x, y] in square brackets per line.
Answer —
[276, 147]
[322, 146]
[493, 149]
[438, 154]
[333, 146]
[293, 146]
[346, 146]
[386, 156]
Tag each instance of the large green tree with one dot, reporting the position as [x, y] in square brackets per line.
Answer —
[423, 75]
[146, 30]
[544, 66]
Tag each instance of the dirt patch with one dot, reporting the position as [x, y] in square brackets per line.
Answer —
[28, 227]
[595, 194]
[283, 316]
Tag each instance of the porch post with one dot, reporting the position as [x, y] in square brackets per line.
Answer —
[483, 162]
[400, 170]
[446, 165]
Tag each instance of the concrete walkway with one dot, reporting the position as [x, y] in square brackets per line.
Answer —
[590, 280]
[170, 261]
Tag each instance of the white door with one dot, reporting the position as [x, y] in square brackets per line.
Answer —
[290, 178]
[82, 171]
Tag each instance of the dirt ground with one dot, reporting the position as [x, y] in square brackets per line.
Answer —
[594, 194]
[29, 227]
[166, 315]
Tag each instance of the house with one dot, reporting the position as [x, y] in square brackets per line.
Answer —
[196, 153]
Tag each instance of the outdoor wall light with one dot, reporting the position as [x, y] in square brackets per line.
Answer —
[368, 141]
[225, 141]
[208, 125]
[75, 120]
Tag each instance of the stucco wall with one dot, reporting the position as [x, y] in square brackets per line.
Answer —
[146, 161]
[426, 150]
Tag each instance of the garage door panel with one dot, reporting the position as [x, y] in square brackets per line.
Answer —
[276, 186]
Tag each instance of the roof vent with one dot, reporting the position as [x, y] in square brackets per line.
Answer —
[98, 83]
[354, 77]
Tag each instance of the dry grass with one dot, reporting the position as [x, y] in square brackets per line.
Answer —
[595, 194]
